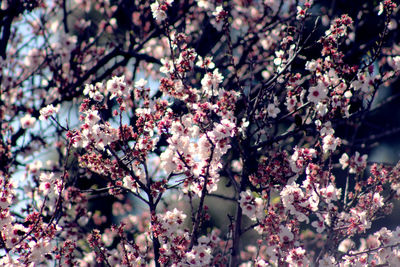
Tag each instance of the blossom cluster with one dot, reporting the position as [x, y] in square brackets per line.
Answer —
[197, 133]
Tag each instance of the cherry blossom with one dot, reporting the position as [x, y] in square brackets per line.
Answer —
[198, 133]
[159, 8]
[27, 121]
[317, 93]
[47, 112]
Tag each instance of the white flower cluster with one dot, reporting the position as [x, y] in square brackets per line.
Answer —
[92, 132]
[94, 91]
[39, 249]
[253, 207]
[64, 46]
[297, 257]
[159, 8]
[167, 66]
[382, 247]
[294, 200]
[300, 157]
[180, 141]
[272, 108]
[356, 163]
[199, 256]
[210, 83]
[394, 62]
[48, 184]
[48, 111]
[172, 221]
[205, 63]
[118, 88]
[186, 142]
[329, 141]
[364, 82]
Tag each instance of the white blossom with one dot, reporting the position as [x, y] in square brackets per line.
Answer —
[272, 110]
[317, 93]
[27, 121]
[47, 112]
